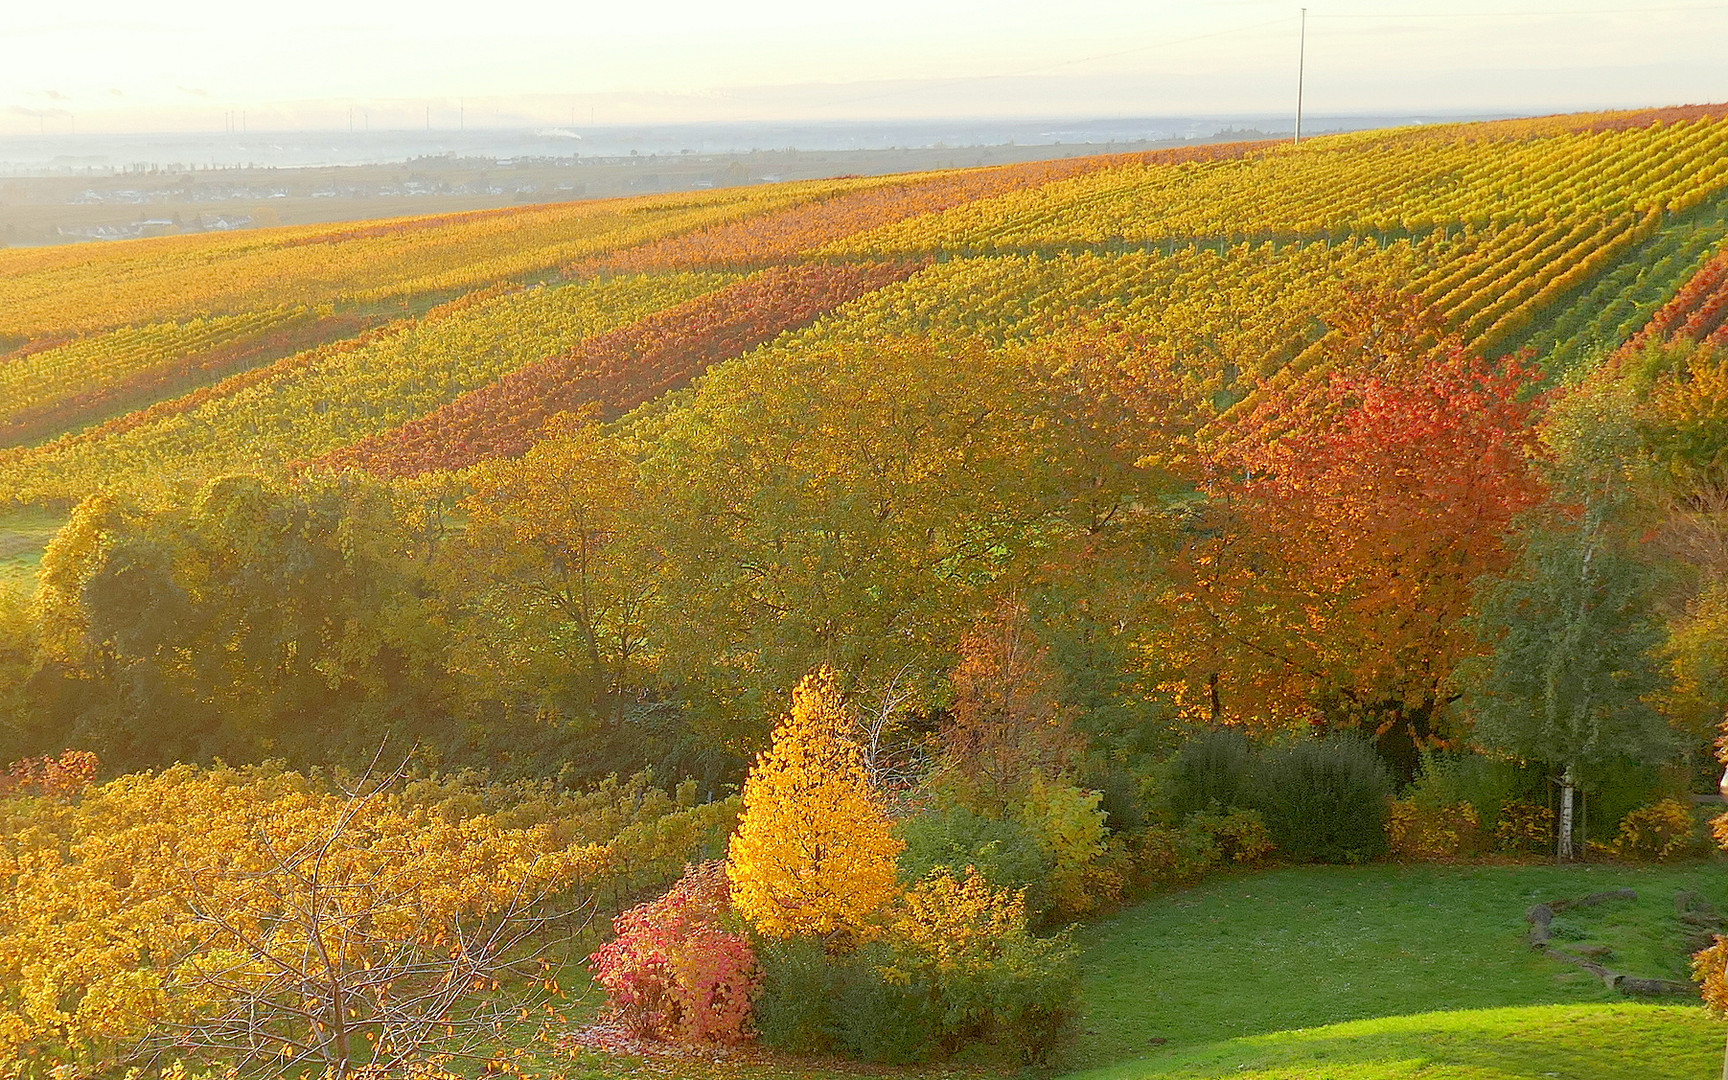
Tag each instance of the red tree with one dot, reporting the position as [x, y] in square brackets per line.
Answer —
[1341, 554]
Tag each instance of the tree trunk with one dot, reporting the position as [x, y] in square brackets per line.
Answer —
[1568, 785]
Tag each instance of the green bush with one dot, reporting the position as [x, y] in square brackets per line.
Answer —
[1618, 791]
[1120, 797]
[1007, 853]
[876, 1020]
[1207, 841]
[1324, 800]
[795, 1008]
[956, 965]
[1487, 784]
[1212, 771]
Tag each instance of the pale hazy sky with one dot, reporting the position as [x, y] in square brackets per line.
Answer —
[134, 65]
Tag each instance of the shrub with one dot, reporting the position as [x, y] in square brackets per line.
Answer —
[1487, 784]
[956, 963]
[1661, 831]
[1213, 771]
[1070, 830]
[1524, 828]
[1419, 830]
[1324, 800]
[1206, 841]
[1616, 791]
[672, 973]
[795, 1008]
[62, 779]
[1120, 798]
[1007, 853]
[985, 974]
[1239, 837]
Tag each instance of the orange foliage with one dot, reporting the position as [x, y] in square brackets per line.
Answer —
[1346, 526]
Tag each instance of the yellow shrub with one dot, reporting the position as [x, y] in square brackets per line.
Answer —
[1524, 827]
[1433, 833]
[1070, 828]
[1660, 831]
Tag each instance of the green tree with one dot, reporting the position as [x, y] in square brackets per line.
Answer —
[1575, 626]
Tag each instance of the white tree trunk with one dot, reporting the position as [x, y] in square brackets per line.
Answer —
[1568, 785]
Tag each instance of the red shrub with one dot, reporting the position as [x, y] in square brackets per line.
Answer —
[672, 973]
[62, 778]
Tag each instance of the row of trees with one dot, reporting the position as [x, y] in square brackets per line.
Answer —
[1420, 546]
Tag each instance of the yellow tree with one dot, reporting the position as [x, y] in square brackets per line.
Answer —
[554, 580]
[814, 852]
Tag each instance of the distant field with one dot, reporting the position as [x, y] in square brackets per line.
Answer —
[66, 209]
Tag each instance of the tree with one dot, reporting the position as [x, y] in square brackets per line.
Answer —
[552, 587]
[859, 504]
[814, 852]
[1574, 627]
[1329, 574]
[256, 619]
[1008, 725]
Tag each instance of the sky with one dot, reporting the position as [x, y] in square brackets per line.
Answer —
[201, 65]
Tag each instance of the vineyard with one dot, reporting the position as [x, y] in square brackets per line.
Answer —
[426, 344]
[946, 559]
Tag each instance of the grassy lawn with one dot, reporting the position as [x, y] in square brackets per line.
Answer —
[1571, 1042]
[23, 535]
[1304, 947]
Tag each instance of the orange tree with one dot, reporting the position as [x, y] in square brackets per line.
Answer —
[1330, 570]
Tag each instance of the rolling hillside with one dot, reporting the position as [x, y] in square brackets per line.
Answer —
[417, 344]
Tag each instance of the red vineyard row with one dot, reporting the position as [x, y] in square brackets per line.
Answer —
[1698, 312]
[616, 371]
[785, 234]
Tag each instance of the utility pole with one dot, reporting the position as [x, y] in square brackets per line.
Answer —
[1301, 64]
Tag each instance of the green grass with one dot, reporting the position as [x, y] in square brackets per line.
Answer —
[1338, 973]
[1571, 1042]
[24, 533]
[1299, 948]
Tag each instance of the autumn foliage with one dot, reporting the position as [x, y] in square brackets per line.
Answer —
[1338, 557]
[615, 371]
[814, 852]
[672, 972]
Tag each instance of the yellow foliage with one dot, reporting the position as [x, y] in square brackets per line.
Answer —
[814, 852]
[1659, 831]
[1070, 828]
[956, 925]
[1419, 831]
[155, 898]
